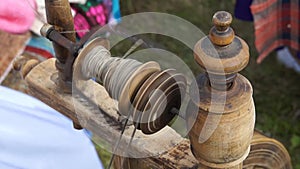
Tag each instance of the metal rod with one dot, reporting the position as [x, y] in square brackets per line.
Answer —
[50, 33]
[118, 142]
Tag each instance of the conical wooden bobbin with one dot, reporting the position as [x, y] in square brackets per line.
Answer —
[221, 135]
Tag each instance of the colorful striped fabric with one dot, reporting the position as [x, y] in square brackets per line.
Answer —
[276, 24]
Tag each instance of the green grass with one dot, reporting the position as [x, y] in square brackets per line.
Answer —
[276, 88]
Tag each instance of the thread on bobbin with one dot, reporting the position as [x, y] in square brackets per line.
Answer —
[113, 72]
[141, 89]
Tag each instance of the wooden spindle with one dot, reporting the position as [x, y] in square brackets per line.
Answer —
[221, 135]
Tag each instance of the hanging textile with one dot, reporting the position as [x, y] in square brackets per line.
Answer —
[276, 24]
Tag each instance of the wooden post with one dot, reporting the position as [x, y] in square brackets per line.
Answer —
[59, 15]
[221, 135]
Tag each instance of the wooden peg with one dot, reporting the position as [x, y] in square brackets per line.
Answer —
[24, 65]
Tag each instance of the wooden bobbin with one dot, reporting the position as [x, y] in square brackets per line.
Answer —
[149, 94]
[221, 135]
[155, 99]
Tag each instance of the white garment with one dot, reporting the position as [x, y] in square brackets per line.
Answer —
[34, 136]
[285, 57]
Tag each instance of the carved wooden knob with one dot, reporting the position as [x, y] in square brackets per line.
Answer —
[222, 20]
[24, 65]
[221, 34]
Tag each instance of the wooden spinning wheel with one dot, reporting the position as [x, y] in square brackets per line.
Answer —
[149, 96]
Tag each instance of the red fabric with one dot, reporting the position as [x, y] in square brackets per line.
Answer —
[41, 52]
[276, 24]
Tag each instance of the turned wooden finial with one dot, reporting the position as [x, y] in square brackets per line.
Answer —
[221, 53]
[221, 34]
[221, 134]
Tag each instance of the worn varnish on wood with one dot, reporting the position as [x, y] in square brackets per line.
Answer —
[59, 15]
[234, 130]
[221, 135]
[41, 81]
[42, 84]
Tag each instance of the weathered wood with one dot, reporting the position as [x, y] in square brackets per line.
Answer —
[221, 137]
[267, 153]
[59, 15]
[222, 133]
[179, 156]
[42, 84]
[41, 81]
